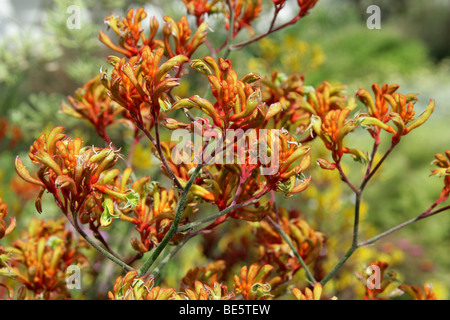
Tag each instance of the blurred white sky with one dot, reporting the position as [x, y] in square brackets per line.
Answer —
[17, 16]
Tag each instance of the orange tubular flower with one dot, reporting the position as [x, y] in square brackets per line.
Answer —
[390, 105]
[139, 85]
[201, 8]
[245, 11]
[131, 37]
[202, 291]
[334, 128]
[91, 102]
[72, 174]
[132, 40]
[238, 104]
[315, 294]
[255, 282]
[131, 287]
[415, 293]
[153, 214]
[289, 94]
[181, 34]
[294, 159]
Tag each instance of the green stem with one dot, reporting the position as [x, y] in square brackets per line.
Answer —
[230, 30]
[354, 245]
[174, 227]
[156, 272]
[221, 213]
[104, 252]
[424, 215]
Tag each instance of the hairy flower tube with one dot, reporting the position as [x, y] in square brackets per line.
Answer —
[181, 34]
[202, 291]
[139, 84]
[245, 12]
[288, 92]
[238, 104]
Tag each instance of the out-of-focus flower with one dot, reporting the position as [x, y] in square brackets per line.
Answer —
[274, 250]
[379, 284]
[209, 275]
[132, 287]
[201, 8]
[5, 230]
[255, 282]
[131, 34]
[305, 6]
[245, 11]
[10, 135]
[91, 102]
[41, 257]
[443, 163]
[415, 292]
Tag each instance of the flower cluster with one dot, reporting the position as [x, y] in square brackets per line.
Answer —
[154, 214]
[40, 259]
[78, 178]
[273, 250]
[10, 135]
[388, 105]
[92, 103]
